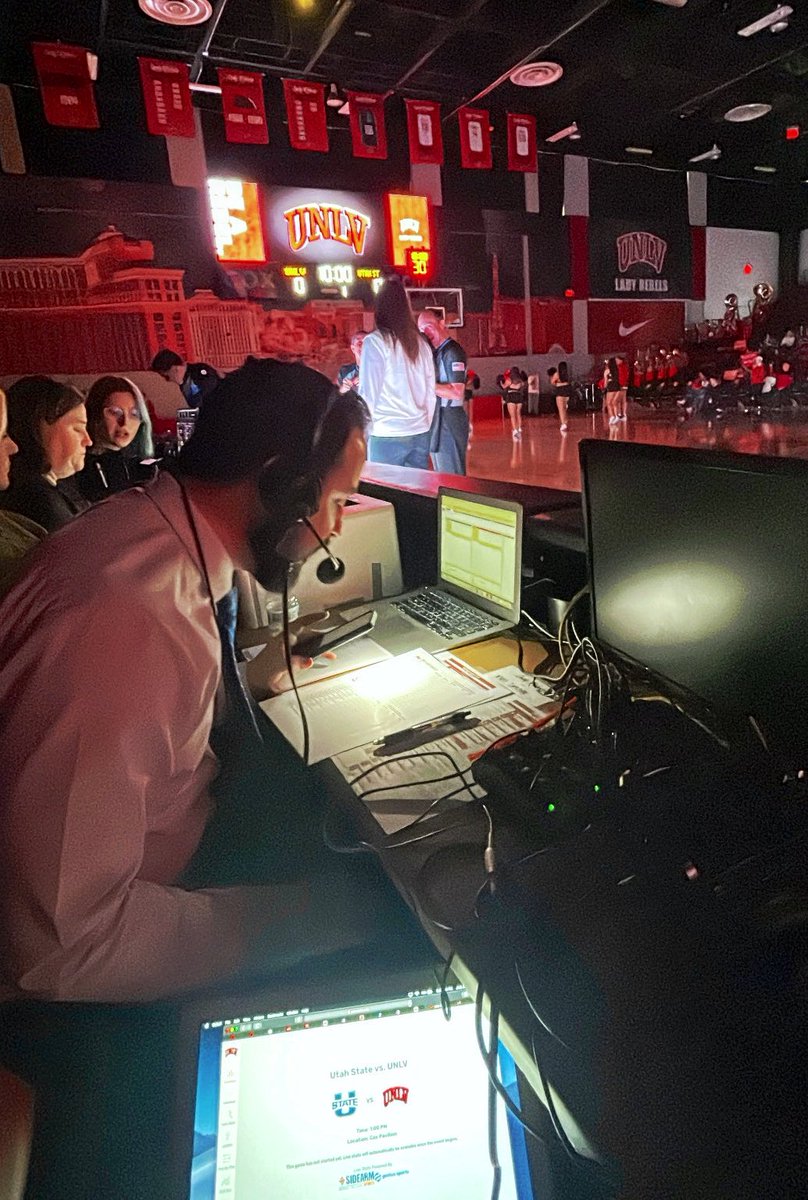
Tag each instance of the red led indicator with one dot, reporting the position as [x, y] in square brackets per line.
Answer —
[747, 268]
[570, 293]
[792, 133]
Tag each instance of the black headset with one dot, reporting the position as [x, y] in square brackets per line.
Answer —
[296, 497]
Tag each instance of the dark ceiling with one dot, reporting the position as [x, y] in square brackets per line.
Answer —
[636, 72]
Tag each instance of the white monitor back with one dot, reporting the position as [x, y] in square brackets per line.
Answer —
[368, 545]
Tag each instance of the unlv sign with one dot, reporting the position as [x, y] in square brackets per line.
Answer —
[641, 248]
[308, 223]
[317, 225]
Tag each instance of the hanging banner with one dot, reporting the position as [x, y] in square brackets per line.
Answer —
[640, 259]
[66, 75]
[521, 142]
[424, 131]
[245, 118]
[305, 108]
[167, 96]
[368, 131]
[475, 138]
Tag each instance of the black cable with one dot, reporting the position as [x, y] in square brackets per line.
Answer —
[501, 1091]
[491, 1064]
[287, 654]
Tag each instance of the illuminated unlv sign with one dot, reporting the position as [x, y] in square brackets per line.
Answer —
[306, 223]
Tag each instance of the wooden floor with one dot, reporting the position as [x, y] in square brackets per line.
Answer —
[547, 457]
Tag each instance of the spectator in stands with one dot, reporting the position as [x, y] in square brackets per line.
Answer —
[696, 394]
[348, 374]
[48, 421]
[397, 382]
[164, 393]
[784, 378]
[562, 390]
[170, 365]
[119, 424]
[18, 535]
[513, 389]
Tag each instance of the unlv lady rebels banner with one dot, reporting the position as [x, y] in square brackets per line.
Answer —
[640, 259]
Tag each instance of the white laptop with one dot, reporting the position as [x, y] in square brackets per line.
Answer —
[478, 592]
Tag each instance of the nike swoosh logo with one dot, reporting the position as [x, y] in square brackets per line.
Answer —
[627, 330]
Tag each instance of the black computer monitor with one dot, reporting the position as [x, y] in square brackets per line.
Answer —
[698, 565]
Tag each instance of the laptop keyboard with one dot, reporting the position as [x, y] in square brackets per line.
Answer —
[445, 615]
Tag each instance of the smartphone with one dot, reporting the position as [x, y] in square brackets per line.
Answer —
[318, 643]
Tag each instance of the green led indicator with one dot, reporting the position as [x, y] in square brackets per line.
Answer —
[551, 808]
[597, 787]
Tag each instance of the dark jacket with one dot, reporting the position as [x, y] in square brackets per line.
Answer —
[33, 496]
[107, 473]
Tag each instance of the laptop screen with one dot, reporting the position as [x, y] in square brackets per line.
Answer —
[319, 1101]
[480, 551]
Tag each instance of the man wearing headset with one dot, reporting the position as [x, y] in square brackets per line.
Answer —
[113, 686]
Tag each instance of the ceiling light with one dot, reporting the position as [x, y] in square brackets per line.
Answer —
[673, 3]
[537, 74]
[575, 137]
[747, 112]
[766, 170]
[709, 155]
[362, 33]
[345, 111]
[177, 12]
[777, 17]
[638, 150]
[334, 99]
[563, 133]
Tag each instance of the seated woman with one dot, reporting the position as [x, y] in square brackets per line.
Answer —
[18, 535]
[48, 421]
[118, 422]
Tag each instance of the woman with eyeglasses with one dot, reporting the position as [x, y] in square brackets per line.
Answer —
[119, 425]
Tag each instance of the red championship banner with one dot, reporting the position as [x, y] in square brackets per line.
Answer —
[245, 118]
[66, 75]
[424, 131]
[305, 108]
[368, 132]
[475, 138]
[167, 96]
[521, 142]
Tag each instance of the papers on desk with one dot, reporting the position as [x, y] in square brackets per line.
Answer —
[405, 785]
[350, 657]
[363, 706]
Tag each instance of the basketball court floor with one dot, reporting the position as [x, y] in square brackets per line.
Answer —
[548, 458]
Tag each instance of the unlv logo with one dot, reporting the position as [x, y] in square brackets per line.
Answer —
[633, 248]
[310, 222]
[396, 1093]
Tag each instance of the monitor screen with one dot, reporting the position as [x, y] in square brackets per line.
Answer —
[323, 1101]
[480, 550]
[698, 567]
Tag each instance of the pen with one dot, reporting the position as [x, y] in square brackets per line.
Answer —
[409, 739]
[404, 735]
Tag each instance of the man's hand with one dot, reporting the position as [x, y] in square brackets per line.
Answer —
[266, 674]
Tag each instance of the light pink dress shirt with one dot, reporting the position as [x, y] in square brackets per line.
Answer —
[110, 663]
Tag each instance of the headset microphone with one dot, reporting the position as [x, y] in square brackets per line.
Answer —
[331, 569]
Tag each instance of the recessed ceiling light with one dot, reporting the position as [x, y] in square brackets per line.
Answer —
[766, 170]
[177, 12]
[778, 16]
[638, 150]
[362, 33]
[747, 112]
[536, 74]
[575, 137]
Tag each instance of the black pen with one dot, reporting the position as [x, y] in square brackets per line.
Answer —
[430, 731]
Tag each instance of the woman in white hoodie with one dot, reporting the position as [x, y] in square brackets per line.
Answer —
[397, 382]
